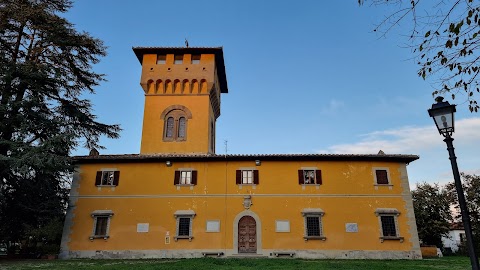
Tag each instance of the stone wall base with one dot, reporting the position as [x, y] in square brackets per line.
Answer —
[305, 254]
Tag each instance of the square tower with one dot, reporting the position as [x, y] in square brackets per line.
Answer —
[182, 88]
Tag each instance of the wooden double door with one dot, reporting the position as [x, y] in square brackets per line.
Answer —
[247, 235]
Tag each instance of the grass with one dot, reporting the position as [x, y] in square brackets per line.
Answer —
[447, 263]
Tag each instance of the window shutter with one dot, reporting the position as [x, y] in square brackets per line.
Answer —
[255, 177]
[318, 176]
[300, 177]
[116, 177]
[98, 179]
[239, 177]
[194, 177]
[176, 180]
[382, 178]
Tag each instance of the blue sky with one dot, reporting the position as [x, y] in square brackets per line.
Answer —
[303, 77]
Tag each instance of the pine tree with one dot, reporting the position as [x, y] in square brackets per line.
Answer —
[45, 72]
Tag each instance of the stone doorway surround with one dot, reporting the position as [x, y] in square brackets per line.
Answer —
[235, 230]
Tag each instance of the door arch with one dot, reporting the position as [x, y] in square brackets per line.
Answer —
[247, 235]
[258, 230]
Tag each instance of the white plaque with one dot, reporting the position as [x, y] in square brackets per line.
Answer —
[213, 226]
[351, 227]
[282, 226]
[142, 227]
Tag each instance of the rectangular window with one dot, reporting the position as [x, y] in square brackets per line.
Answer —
[161, 59]
[184, 224]
[388, 226]
[195, 59]
[381, 177]
[101, 224]
[247, 177]
[178, 60]
[185, 177]
[310, 177]
[313, 226]
[107, 178]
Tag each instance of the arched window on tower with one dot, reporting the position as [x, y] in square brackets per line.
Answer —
[175, 126]
[169, 127]
[182, 122]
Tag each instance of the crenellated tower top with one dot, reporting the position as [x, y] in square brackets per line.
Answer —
[182, 87]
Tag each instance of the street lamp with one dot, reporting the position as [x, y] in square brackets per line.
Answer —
[442, 113]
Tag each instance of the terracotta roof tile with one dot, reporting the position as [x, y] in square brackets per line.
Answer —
[243, 157]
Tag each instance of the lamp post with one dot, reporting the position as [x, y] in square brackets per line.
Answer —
[443, 115]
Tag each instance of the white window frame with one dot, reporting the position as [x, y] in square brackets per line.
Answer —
[95, 215]
[317, 213]
[382, 212]
[247, 177]
[106, 173]
[190, 214]
[185, 177]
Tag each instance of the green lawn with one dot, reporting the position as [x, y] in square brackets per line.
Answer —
[447, 263]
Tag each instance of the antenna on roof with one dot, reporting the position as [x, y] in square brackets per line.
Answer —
[186, 42]
[226, 147]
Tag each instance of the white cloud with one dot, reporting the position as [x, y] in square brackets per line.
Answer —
[408, 140]
[425, 141]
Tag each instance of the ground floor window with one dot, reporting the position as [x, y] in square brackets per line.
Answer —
[313, 224]
[184, 224]
[101, 224]
[387, 218]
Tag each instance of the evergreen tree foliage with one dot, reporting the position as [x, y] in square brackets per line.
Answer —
[431, 205]
[45, 74]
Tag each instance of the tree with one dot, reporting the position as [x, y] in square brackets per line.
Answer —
[445, 39]
[431, 205]
[471, 188]
[45, 74]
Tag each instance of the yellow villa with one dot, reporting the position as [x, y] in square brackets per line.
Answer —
[177, 198]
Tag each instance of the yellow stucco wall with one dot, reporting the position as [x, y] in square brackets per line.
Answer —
[146, 194]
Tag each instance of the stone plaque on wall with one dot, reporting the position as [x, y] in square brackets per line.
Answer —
[351, 227]
[142, 227]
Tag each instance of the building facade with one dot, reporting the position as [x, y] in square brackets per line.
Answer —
[178, 199]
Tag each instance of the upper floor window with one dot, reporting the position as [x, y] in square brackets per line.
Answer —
[178, 59]
[381, 177]
[175, 126]
[247, 177]
[195, 58]
[185, 177]
[107, 178]
[182, 125]
[310, 177]
[161, 59]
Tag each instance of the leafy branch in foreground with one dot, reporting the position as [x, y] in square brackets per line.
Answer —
[445, 39]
